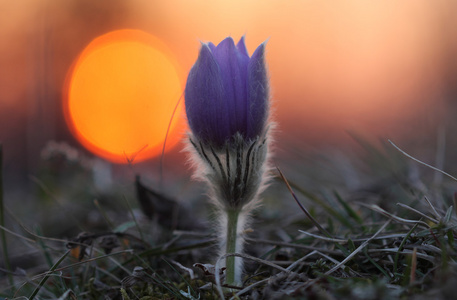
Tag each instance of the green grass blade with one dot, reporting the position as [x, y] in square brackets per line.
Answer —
[365, 251]
[179, 274]
[349, 210]
[403, 242]
[45, 278]
[328, 208]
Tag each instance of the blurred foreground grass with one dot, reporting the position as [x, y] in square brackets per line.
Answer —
[381, 226]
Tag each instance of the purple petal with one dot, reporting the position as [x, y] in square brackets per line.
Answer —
[258, 92]
[241, 46]
[206, 107]
[233, 66]
[211, 46]
[227, 92]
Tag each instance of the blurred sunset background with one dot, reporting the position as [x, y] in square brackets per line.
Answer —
[383, 69]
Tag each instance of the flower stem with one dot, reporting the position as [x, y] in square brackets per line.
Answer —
[231, 247]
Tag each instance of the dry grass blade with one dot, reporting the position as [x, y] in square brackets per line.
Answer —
[429, 258]
[363, 245]
[55, 269]
[22, 225]
[381, 237]
[17, 235]
[301, 259]
[291, 245]
[321, 229]
[437, 215]
[334, 261]
[334, 240]
[292, 266]
[395, 218]
[248, 288]
[260, 282]
[418, 212]
[162, 155]
[262, 261]
[421, 162]
[188, 270]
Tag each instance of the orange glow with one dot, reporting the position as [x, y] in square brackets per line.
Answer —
[334, 65]
[121, 94]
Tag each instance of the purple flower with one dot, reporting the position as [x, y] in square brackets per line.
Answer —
[227, 93]
[227, 108]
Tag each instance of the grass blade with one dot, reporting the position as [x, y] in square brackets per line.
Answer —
[45, 278]
[421, 162]
[400, 248]
[349, 210]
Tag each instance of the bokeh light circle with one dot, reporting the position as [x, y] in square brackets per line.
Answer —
[120, 95]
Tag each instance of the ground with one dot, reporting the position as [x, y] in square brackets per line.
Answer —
[374, 225]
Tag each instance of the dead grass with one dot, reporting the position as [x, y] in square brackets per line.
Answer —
[391, 236]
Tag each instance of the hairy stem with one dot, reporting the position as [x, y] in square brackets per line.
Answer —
[232, 271]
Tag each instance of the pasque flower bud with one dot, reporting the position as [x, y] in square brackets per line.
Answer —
[227, 93]
[227, 107]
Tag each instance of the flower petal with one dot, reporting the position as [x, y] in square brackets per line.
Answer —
[258, 92]
[227, 93]
[241, 46]
[206, 107]
[233, 66]
[211, 46]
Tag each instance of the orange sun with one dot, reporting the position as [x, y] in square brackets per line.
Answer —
[121, 94]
